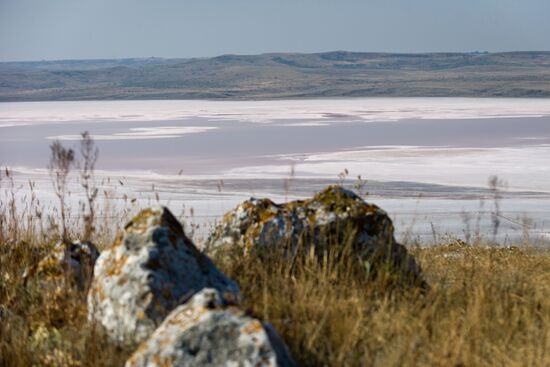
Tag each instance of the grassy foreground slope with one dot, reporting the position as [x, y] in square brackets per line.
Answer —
[486, 306]
[282, 75]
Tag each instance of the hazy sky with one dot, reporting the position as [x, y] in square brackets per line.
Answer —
[69, 29]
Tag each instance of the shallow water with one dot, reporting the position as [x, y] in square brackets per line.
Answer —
[428, 159]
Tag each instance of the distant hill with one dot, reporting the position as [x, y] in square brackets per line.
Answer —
[281, 75]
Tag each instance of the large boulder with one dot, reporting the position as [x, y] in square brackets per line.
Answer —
[149, 270]
[66, 262]
[333, 217]
[207, 332]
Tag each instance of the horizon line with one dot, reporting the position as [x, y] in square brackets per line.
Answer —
[476, 52]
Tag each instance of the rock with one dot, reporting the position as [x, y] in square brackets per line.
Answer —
[334, 216]
[207, 332]
[149, 270]
[73, 262]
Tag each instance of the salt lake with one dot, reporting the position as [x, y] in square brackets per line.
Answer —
[427, 161]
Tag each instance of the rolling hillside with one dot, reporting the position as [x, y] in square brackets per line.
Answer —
[281, 75]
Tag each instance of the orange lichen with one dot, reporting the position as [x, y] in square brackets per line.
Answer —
[252, 327]
[142, 221]
[140, 315]
[116, 264]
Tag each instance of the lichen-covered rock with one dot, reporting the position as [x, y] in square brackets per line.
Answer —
[150, 269]
[207, 332]
[334, 216]
[73, 262]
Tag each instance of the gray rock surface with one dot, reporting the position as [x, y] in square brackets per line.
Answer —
[207, 332]
[333, 217]
[149, 270]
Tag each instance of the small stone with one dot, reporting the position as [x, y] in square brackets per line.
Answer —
[206, 331]
[73, 262]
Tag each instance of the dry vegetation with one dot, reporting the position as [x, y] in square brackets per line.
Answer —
[486, 306]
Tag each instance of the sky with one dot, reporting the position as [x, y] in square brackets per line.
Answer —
[94, 29]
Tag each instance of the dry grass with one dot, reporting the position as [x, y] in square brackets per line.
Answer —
[44, 324]
[486, 306]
